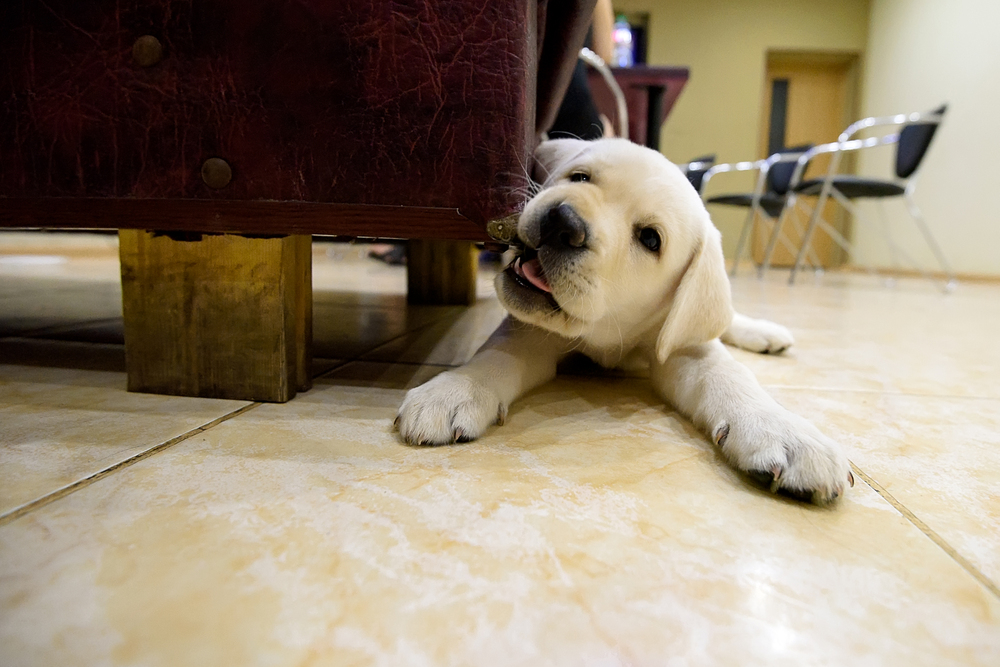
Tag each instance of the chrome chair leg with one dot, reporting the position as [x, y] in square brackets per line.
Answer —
[884, 221]
[744, 235]
[848, 248]
[812, 259]
[918, 218]
[807, 238]
[772, 242]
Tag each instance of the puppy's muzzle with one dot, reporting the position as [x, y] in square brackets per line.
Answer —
[561, 228]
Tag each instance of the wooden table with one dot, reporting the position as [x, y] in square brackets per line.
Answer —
[650, 94]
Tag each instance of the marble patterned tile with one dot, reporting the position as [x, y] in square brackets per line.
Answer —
[939, 457]
[65, 415]
[347, 333]
[450, 341]
[39, 303]
[345, 327]
[109, 331]
[853, 332]
[365, 276]
[324, 366]
[340, 330]
[347, 267]
[871, 338]
[595, 527]
[69, 244]
[360, 303]
[76, 257]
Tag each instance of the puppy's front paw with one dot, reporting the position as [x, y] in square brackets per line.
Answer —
[761, 336]
[449, 408]
[787, 452]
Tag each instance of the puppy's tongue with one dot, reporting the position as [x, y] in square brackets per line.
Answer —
[532, 270]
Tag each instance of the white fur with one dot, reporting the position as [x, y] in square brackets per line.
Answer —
[617, 299]
[757, 335]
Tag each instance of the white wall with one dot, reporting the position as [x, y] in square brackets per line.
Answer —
[922, 53]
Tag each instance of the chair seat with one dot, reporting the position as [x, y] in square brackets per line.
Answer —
[771, 203]
[853, 186]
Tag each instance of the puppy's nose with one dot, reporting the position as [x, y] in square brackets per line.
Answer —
[563, 226]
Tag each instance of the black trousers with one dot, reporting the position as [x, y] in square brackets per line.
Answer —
[578, 117]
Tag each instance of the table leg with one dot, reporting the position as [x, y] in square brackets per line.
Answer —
[219, 316]
[441, 272]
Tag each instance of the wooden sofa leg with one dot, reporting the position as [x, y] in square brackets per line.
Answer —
[441, 272]
[218, 316]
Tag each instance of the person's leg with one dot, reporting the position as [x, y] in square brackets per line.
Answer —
[578, 116]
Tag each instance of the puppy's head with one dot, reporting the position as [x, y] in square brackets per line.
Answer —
[617, 239]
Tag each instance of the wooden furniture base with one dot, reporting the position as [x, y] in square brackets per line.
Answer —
[218, 316]
[441, 272]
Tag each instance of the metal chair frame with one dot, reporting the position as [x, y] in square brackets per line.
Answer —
[597, 62]
[846, 143]
[762, 167]
[792, 203]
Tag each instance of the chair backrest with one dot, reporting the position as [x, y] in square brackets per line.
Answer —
[779, 176]
[696, 176]
[914, 140]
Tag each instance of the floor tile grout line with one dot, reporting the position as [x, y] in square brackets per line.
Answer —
[928, 531]
[60, 493]
[336, 367]
[39, 332]
[62, 328]
[360, 357]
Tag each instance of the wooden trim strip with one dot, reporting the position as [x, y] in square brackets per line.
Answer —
[240, 216]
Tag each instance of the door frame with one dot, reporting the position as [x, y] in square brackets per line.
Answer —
[852, 62]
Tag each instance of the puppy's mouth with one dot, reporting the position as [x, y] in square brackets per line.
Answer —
[527, 273]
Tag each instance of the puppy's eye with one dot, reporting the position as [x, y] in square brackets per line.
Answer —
[650, 238]
[579, 177]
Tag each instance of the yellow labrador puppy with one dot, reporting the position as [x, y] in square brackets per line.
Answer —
[621, 259]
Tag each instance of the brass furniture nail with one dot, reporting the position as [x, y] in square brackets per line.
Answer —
[147, 51]
[216, 173]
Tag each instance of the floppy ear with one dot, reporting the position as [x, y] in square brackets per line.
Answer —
[703, 306]
[554, 152]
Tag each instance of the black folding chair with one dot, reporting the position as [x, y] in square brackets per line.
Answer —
[912, 141]
[770, 193]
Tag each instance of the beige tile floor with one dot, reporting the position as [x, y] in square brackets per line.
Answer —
[595, 528]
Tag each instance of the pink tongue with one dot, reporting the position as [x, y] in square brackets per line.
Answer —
[535, 275]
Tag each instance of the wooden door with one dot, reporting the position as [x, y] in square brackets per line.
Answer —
[809, 98]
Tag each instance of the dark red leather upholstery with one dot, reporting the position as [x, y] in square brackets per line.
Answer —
[393, 102]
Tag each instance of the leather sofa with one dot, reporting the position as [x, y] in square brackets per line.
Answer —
[218, 135]
[409, 119]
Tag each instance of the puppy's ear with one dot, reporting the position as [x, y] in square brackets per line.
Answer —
[702, 307]
[552, 153]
